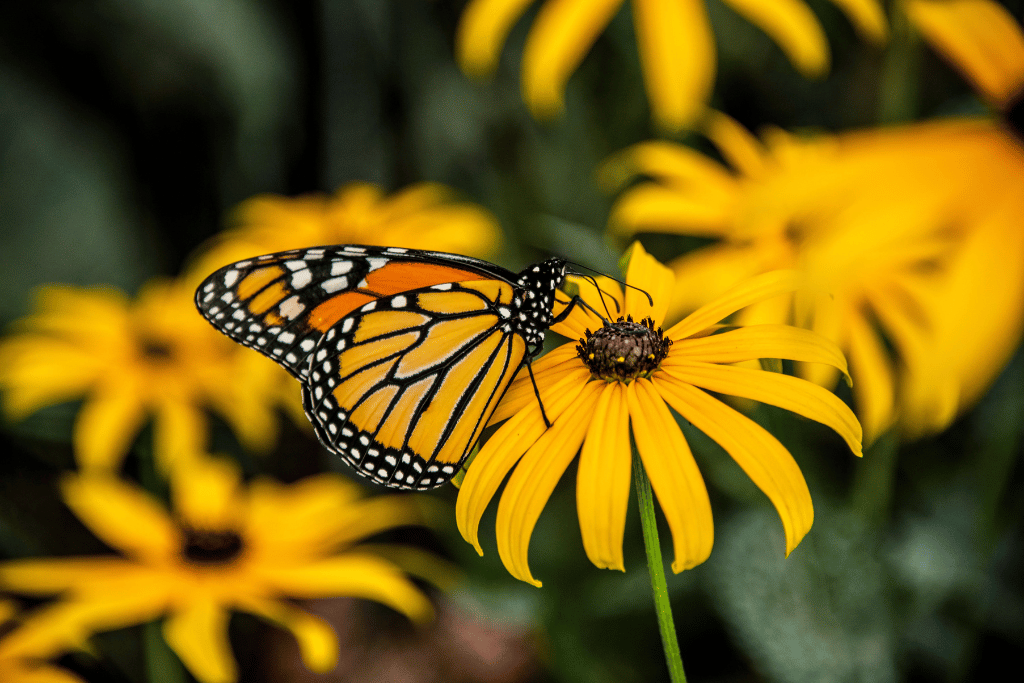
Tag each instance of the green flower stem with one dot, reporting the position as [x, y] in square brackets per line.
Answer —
[656, 567]
[900, 75]
[161, 663]
[875, 480]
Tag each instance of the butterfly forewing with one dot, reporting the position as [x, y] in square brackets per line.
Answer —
[282, 304]
[402, 391]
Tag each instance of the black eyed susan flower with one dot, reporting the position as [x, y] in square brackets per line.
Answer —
[153, 357]
[225, 547]
[421, 216]
[624, 380]
[910, 236]
[677, 51]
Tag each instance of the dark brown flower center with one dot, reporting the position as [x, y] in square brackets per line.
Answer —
[155, 350]
[203, 546]
[624, 350]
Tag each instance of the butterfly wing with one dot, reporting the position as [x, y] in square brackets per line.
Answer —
[282, 304]
[402, 387]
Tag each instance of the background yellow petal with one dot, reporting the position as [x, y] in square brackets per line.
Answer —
[559, 38]
[37, 371]
[867, 16]
[180, 432]
[198, 634]
[52, 575]
[677, 53]
[792, 25]
[603, 479]
[674, 475]
[784, 391]
[873, 377]
[534, 479]
[317, 641]
[358, 575]
[980, 37]
[759, 341]
[481, 32]
[655, 208]
[740, 148]
[646, 273]
[751, 291]
[669, 163]
[206, 494]
[123, 516]
[106, 427]
[762, 457]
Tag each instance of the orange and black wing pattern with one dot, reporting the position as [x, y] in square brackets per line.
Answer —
[403, 354]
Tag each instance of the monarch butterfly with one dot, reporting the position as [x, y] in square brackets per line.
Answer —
[403, 354]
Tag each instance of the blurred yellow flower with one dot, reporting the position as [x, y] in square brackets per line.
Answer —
[130, 360]
[914, 233]
[981, 39]
[421, 216]
[23, 654]
[224, 547]
[677, 51]
[621, 380]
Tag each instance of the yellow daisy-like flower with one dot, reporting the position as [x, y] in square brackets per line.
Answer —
[131, 360]
[677, 51]
[23, 654]
[421, 216]
[913, 232]
[980, 38]
[621, 381]
[225, 547]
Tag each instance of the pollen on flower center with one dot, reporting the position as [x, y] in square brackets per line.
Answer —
[624, 350]
[203, 546]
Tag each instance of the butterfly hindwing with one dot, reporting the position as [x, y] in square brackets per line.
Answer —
[401, 389]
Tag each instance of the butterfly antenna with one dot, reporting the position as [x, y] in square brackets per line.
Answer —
[650, 299]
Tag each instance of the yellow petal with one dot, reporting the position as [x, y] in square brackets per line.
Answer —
[668, 163]
[551, 369]
[792, 25]
[106, 426]
[179, 433]
[560, 37]
[868, 17]
[762, 457]
[783, 391]
[503, 450]
[198, 634]
[677, 53]
[206, 493]
[646, 273]
[759, 341]
[873, 377]
[317, 641]
[674, 475]
[980, 37]
[751, 291]
[356, 575]
[602, 482]
[741, 149]
[649, 207]
[36, 371]
[482, 30]
[124, 517]
[51, 576]
[534, 479]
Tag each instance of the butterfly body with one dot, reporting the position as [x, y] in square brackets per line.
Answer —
[402, 354]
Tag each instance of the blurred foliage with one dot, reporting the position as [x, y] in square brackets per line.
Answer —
[130, 128]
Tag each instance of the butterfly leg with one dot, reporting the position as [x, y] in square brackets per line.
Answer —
[536, 392]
